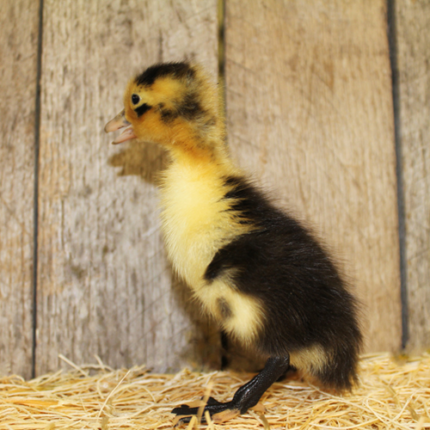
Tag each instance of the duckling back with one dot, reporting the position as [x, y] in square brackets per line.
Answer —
[308, 312]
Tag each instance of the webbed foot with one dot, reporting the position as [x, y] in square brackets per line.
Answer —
[245, 397]
[223, 411]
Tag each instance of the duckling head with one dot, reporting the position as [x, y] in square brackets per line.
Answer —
[172, 104]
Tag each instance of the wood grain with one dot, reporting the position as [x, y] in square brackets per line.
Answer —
[18, 68]
[310, 113]
[413, 63]
[104, 285]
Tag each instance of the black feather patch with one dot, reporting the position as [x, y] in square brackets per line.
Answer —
[168, 115]
[176, 70]
[305, 300]
[189, 107]
[224, 308]
[142, 109]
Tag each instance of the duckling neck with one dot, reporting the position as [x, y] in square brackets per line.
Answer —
[194, 151]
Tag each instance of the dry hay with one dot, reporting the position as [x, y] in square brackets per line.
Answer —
[393, 394]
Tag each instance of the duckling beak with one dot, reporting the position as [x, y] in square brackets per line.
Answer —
[116, 124]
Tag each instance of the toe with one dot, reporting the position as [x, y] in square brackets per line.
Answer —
[185, 410]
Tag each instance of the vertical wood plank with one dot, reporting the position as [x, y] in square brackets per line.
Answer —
[309, 110]
[104, 284]
[413, 72]
[18, 68]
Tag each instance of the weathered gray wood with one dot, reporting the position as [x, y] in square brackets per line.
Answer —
[309, 110]
[18, 68]
[413, 63]
[104, 285]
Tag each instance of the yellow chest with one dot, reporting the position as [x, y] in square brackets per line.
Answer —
[195, 220]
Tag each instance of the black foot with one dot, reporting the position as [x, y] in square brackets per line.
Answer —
[245, 397]
[212, 406]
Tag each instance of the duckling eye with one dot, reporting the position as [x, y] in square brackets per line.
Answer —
[135, 99]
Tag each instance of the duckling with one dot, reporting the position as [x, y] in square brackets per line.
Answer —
[255, 269]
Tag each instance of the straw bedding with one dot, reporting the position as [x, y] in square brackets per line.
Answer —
[393, 394]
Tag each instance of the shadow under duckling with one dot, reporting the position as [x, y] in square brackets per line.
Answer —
[259, 272]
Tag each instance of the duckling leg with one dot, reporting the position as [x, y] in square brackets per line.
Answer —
[246, 396]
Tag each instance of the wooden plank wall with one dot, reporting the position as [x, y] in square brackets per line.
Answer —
[412, 23]
[310, 114]
[18, 69]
